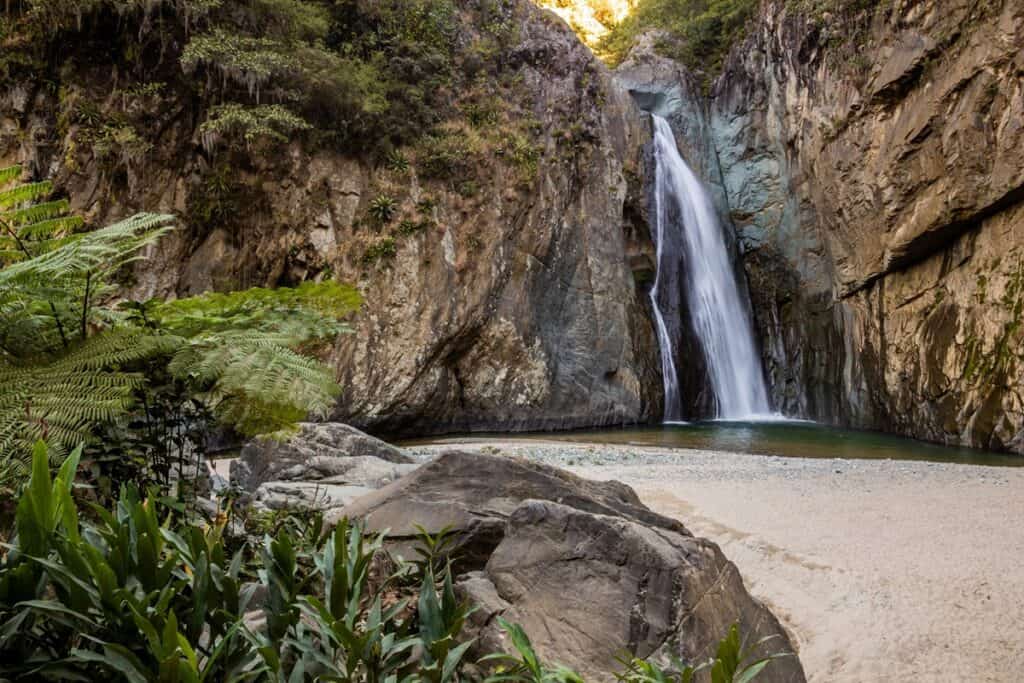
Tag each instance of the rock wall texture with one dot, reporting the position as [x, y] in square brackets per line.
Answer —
[503, 298]
[525, 313]
[877, 195]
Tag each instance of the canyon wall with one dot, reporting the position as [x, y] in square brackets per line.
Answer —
[501, 286]
[877, 195]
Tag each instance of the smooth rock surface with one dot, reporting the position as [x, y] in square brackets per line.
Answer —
[320, 451]
[300, 495]
[583, 565]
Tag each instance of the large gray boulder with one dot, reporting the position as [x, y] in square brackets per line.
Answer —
[475, 494]
[331, 453]
[584, 566]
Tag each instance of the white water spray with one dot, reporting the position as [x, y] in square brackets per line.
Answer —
[688, 236]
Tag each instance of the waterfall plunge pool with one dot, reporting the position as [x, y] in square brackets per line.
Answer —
[788, 438]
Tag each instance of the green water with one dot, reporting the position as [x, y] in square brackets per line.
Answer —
[792, 439]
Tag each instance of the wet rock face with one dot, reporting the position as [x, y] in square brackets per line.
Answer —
[662, 87]
[878, 202]
[640, 582]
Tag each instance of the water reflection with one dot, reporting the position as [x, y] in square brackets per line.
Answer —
[784, 438]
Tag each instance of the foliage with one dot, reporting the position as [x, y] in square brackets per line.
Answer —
[267, 121]
[701, 31]
[157, 375]
[446, 154]
[526, 666]
[382, 249]
[29, 225]
[143, 594]
[731, 664]
[408, 227]
[363, 72]
[383, 208]
[397, 162]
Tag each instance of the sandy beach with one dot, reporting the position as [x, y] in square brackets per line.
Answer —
[881, 570]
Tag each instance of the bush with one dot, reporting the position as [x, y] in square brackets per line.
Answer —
[382, 249]
[143, 593]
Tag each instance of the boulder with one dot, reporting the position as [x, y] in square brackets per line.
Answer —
[320, 451]
[596, 586]
[584, 566]
[475, 494]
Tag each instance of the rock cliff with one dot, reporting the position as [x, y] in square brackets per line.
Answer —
[496, 254]
[869, 162]
[876, 192]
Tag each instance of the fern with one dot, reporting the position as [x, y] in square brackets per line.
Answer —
[29, 227]
[62, 399]
[69, 366]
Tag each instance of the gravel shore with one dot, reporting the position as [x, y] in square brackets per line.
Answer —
[882, 570]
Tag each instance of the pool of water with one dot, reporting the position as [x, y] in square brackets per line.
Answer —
[786, 438]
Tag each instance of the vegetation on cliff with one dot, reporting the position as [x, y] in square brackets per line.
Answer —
[701, 33]
[353, 71]
[698, 33]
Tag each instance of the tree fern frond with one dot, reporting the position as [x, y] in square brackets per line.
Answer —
[34, 213]
[9, 174]
[114, 348]
[22, 194]
[98, 251]
[258, 308]
[61, 405]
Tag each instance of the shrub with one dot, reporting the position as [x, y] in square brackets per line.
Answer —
[382, 249]
[383, 208]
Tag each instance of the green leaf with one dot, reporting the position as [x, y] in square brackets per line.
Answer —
[119, 659]
[454, 658]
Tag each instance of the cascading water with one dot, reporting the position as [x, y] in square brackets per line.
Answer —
[689, 237]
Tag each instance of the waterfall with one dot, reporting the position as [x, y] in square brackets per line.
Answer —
[689, 239]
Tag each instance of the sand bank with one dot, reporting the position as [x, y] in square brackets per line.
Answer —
[881, 570]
